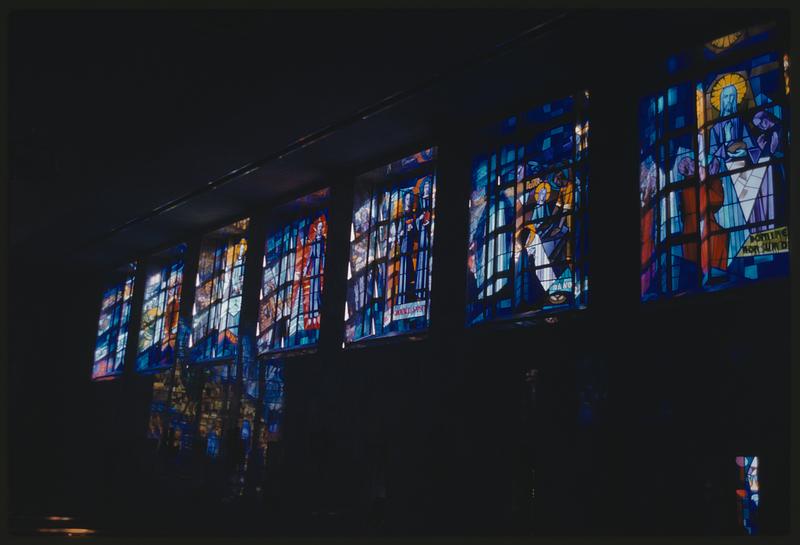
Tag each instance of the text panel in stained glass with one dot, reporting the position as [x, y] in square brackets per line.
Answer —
[112, 329]
[713, 180]
[218, 295]
[391, 242]
[159, 325]
[293, 275]
[527, 215]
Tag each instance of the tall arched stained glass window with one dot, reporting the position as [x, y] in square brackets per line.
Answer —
[159, 326]
[527, 215]
[218, 295]
[713, 167]
[112, 330]
[391, 242]
[293, 275]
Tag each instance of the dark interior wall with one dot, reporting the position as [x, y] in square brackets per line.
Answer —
[446, 428]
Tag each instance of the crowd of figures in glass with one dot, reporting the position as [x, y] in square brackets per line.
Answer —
[112, 327]
[713, 168]
[218, 294]
[527, 215]
[391, 242]
[747, 493]
[290, 299]
[158, 332]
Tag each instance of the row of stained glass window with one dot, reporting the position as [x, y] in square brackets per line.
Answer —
[713, 214]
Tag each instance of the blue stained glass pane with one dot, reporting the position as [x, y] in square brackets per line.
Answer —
[551, 110]
[681, 106]
[676, 63]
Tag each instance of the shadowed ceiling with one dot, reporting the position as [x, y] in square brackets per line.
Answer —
[113, 114]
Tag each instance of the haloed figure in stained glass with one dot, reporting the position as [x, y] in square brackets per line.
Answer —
[725, 183]
[407, 238]
[741, 197]
[423, 223]
[314, 267]
[544, 238]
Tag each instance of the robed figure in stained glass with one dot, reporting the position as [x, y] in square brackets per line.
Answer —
[731, 150]
[554, 240]
[423, 225]
[314, 268]
[407, 237]
[767, 144]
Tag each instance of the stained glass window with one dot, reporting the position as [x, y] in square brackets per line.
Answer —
[218, 295]
[112, 330]
[391, 241]
[159, 326]
[712, 174]
[747, 493]
[527, 215]
[293, 275]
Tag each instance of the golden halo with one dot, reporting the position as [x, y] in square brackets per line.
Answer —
[727, 80]
[536, 191]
